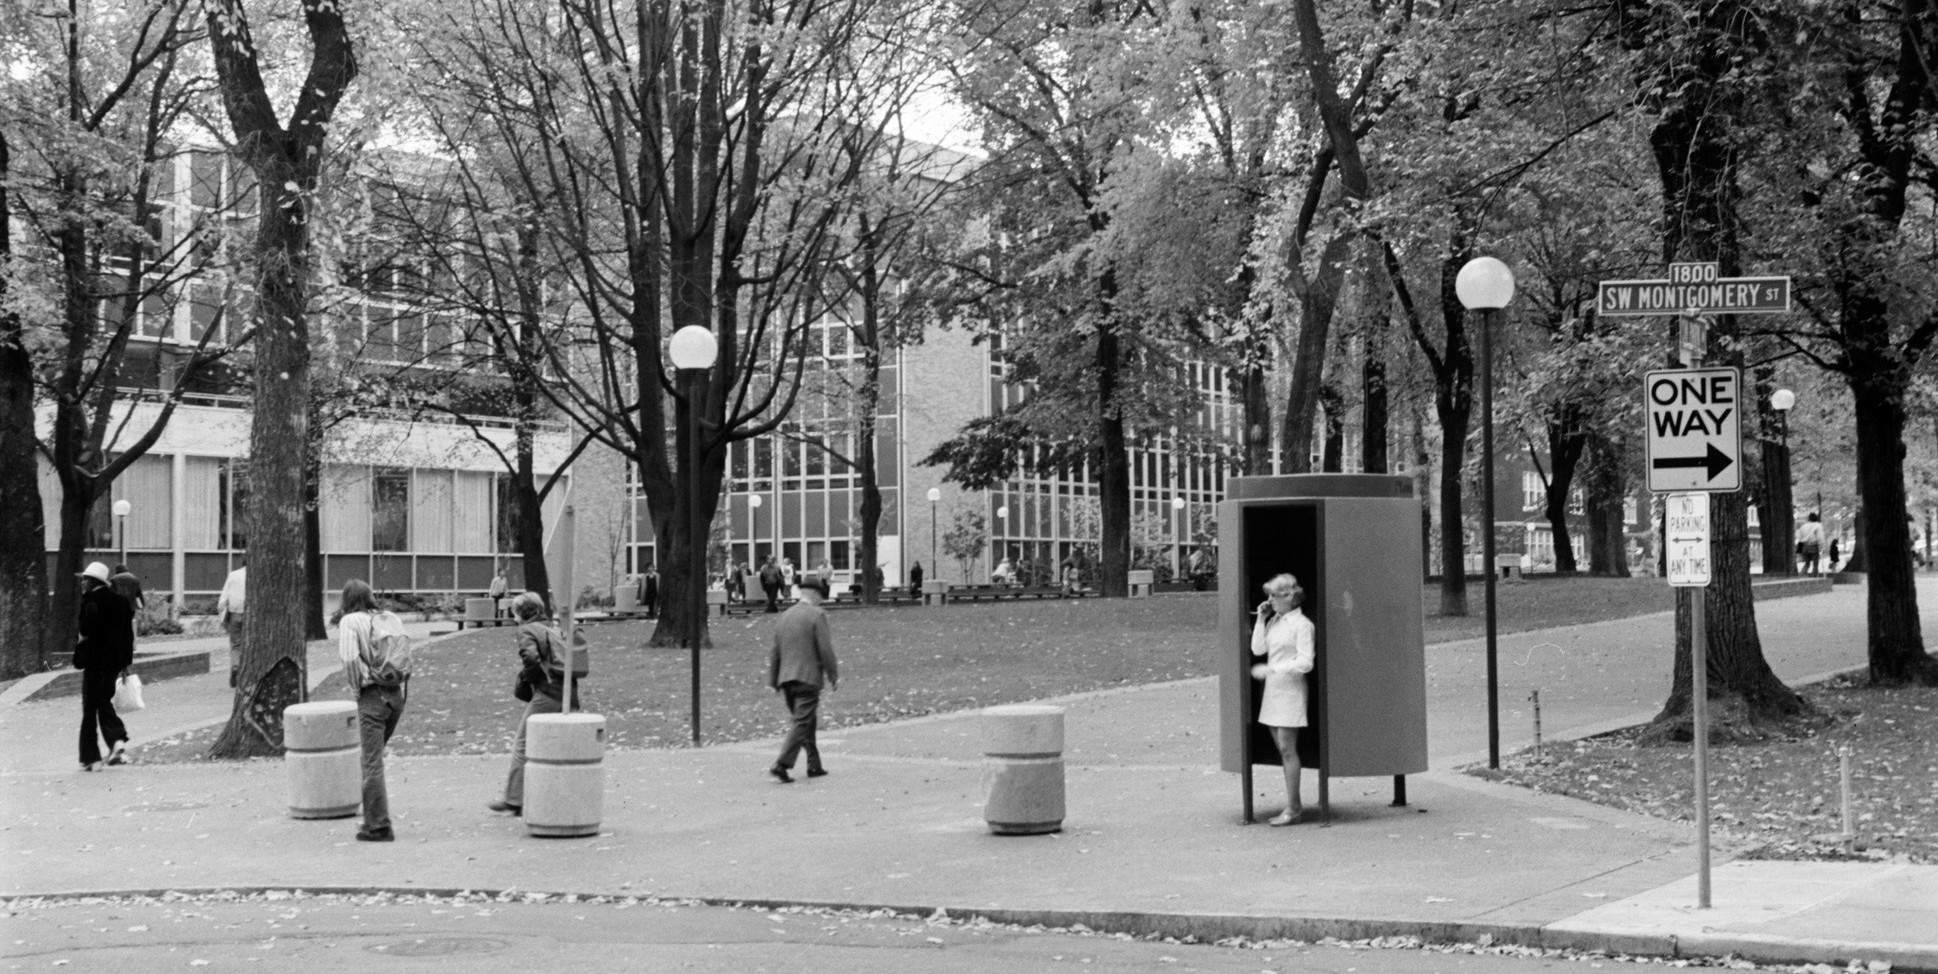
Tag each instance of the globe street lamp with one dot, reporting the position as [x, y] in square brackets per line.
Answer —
[693, 351]
[1777, 483]
[1002, 529]
[1485, 284]
[935, 494]
[1177, 518]
[121, 511]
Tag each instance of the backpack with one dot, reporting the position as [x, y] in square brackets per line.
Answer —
[388, 654]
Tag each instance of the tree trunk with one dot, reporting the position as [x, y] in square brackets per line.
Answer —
[868, 472]
[1113, 481]
[1896, 643]
[1606, 500]
[1775, 506]
[63, 611]
[23, 531]
[1373, 415]
[531, 520]
[315, 622]
[274, 653]
[1747, 701]
[286, 164]
[1332, 457]
[1565, 445]
[1454, 419]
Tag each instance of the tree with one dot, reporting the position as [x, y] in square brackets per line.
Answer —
[100, 261]
[23, 568]
[687, 171]
[1696, 74]
[287, 161]
[1873, 325]
[966, 540]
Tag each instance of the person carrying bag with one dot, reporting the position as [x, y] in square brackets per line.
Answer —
[541, 685]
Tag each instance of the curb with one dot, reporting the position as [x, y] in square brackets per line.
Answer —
[1205, 928]
[152, 668]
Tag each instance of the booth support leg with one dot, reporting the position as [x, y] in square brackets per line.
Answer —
[1399, 791]
[1245, 780]
[1325, 797]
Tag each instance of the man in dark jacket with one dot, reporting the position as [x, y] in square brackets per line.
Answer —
[802, 658]
[106, 648]
[770, 583]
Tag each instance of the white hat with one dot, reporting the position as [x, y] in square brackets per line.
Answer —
[96, 571]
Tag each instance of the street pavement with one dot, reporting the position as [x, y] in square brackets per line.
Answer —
[1152, 844]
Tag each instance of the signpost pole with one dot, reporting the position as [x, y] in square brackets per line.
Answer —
[1699, 712]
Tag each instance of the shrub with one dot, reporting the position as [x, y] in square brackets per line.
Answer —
[156, 620]
[591, 597]
[199, 606]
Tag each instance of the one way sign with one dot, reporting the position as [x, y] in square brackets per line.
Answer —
[1695, 429]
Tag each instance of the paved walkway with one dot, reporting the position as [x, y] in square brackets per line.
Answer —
[1152, 843]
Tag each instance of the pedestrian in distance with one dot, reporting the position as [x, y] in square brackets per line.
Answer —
[1834, 558]
[1283, 635]
[127, 585]
[801, 661]
[1810, 542]
[648, 592]
[541, 685]
[790, 579]
[915, 579]
[1004, 574]
[825, 572]
[376, 655]
[499, 586]
[229, 609]
[105, 650]
[770, 583]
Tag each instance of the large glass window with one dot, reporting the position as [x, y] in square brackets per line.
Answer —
[390, 509]
[235, 504]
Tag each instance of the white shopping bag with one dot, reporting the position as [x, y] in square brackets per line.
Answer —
[127, 693]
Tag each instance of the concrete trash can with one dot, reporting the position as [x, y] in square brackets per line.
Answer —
[625, 598]
[1022, 769]
[480, 610]
[1141, 582]
[565, 777]
[321, 753]
[935, 592]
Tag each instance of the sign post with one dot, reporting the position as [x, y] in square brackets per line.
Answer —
[1695, 447]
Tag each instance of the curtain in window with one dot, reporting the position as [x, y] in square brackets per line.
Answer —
[345, 510]
[149, 487]
[390, 509]
[50, 504]
[202, 502]
[553, 507]
[471, 513]
[430, 520]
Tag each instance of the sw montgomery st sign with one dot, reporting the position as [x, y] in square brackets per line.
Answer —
[1725, 295]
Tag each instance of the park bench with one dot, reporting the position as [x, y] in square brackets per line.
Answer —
[980, 593]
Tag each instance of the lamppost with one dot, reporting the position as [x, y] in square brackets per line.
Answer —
[1485, 284]
[1777, 482]
[1002, 529]
[753, 535]
[121, 510]
[1177, 518]
[693, 351]
[935, 569]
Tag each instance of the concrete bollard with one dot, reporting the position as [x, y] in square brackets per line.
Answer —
[935, 592]
[565, 779]
[320, 751]
[1142, 581]
[1022, 769]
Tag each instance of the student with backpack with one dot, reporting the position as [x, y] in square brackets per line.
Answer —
[541, 685]
[376, 654]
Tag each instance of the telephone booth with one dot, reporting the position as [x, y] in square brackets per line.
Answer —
[1354, 543]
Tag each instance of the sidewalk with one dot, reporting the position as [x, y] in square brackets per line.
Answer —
[1152, 844]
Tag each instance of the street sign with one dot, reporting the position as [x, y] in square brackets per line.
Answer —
[1686, 520]
[1695, 429]
[1694, 288]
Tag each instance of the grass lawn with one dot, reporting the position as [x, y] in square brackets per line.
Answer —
[1781, 796]
[897, 662]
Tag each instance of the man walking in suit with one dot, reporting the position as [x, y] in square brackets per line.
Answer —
[803, 656]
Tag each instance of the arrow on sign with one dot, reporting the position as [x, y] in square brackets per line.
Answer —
[1715, 460]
